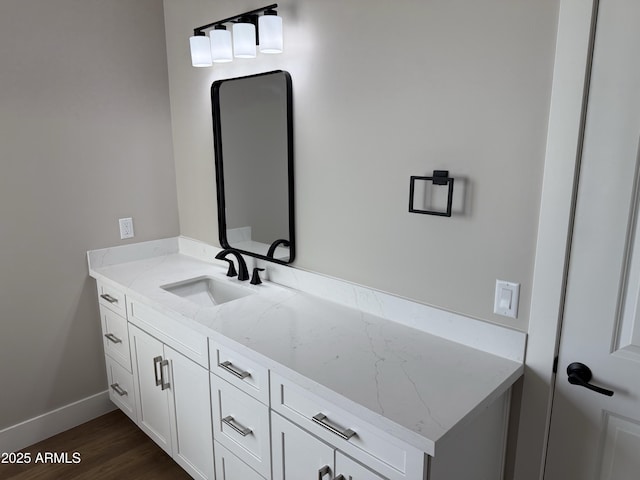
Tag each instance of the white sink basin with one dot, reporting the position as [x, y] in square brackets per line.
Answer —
[207, 291]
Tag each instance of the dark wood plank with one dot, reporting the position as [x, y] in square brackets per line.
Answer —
[110, 447]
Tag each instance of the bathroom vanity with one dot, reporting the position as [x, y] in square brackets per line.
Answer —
[301, 377]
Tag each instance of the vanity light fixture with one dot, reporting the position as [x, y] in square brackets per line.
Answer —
[270, 27]
[200, 50]
[261, 27]
[221, 44]
[244, 38]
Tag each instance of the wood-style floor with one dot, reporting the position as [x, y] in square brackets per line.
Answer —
[111, 447]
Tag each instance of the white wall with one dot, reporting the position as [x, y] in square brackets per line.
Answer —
[85, 139]
[382, 91]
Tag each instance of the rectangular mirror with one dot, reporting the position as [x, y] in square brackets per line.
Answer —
[253, 143]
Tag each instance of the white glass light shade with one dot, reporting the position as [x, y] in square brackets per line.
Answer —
[270, 28]
[200, 51]
[244, 40]
[221, 46]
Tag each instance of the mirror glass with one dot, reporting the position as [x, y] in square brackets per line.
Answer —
[253, 141]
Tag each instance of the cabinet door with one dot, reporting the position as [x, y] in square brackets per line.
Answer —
[190, 409]
[298, 454]
[152, 401]
[352, 470]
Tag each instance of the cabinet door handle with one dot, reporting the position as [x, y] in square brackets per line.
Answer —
[235, 371]
[156, 362]
[326, 470]
[165, 385]
[340, 477]
[109, 298]
[322, 420]
[111, 337]
[118, 389]
[241, 429]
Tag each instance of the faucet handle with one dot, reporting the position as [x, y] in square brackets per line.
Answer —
[255, 278]
[231, 272]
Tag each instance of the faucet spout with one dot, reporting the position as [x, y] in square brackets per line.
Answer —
[272, 248]
[243, 273]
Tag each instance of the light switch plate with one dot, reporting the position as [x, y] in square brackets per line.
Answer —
[126, 228]
[506, 299]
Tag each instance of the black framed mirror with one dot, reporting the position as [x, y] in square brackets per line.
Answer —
[253, 144]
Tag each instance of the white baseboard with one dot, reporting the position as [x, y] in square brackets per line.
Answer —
[49, 424]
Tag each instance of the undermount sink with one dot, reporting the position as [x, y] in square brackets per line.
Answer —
[207, 291]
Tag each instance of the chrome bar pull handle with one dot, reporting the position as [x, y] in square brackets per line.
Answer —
[326, 470]
[156, 362]
[322, 420]
[235, 371]
[111, 337]
[118, 389]
[242, 430]
[109, 298]
[165, 385]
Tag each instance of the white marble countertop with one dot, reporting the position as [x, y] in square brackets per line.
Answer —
[415, 385]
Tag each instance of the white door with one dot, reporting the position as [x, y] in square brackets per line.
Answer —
[297, 454]
[595, 436]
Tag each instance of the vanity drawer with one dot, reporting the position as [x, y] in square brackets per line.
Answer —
[116, 337]
[241, 424]
[121, 391]
[248, 375]
[230, 467]
[112, 298]
[357, 438]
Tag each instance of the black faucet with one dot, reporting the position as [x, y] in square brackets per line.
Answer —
[242, 266]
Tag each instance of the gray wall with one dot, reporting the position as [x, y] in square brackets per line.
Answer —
[382, 91]
[85, 139]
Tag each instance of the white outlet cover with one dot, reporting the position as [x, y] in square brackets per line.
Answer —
[126, 228]
[506, 299]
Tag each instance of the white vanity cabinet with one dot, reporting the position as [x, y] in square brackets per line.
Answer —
[261, 384]
[115, 333]
[173, 405]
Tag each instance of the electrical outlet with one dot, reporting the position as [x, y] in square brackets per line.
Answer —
[126, 228]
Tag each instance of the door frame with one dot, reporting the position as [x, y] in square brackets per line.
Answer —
[574, 48]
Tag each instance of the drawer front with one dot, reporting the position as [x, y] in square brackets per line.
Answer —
[230, 467]
[112, 298]
[352, 470]
[241, 424]
[188, 342]
[121, 391]
[116, 337]
[246, 374]
[362, 441]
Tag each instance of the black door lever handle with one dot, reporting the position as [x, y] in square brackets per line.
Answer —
[580, 374]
